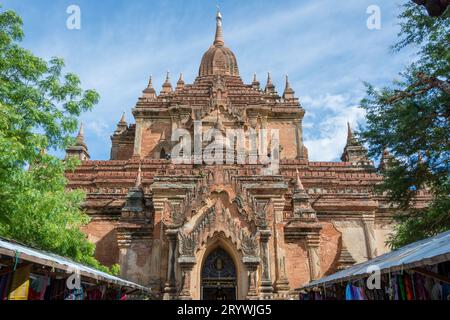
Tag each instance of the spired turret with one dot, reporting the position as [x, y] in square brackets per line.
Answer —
[122, 125]
[354, 151]
[79, 150]
[149, 92]
[219, 60]
[288, 94]
[167, 86]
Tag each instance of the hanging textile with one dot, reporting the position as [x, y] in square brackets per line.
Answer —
[408, 287]
[20, 284]
[358, 293]
[5, 281]
[38, 286]
[75, 294]
[401, 287]
[348, 292]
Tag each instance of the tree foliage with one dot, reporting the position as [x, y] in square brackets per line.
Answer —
[411, 119]
[39, 107]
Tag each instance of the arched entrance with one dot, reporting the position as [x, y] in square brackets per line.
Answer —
[218, 277]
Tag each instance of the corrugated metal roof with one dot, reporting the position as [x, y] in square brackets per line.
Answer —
[425, 252]
[10, 248]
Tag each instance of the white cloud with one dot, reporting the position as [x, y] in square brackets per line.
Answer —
[325, 124]
[99, 127]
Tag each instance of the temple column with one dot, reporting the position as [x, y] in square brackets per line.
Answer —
[368, 221]
[170, 289]
[312, 245]
[266, 283]
[138, 138]
[186, 264]
[281, 281]
[251, 264]
[299, 140]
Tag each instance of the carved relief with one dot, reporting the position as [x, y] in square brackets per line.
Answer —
[174, 217]
[214, 219]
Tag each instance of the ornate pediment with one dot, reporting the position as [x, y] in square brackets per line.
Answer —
[217, 218]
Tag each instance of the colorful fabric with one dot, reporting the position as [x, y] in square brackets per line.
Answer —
[421, 293]
[401, 287]
[38, 286]
[348, 292]
[4, 284]
[20, 284]
[408, 287]
[436, 292]
[358, 293]
[75, 294]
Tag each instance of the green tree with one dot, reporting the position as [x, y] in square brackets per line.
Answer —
[411, 119]
[39, 107]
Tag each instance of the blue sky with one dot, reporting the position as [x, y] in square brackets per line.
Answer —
[324, 46]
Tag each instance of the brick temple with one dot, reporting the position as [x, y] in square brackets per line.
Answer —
[227, 231]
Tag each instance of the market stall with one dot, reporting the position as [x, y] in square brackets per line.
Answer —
[31, 274]
[419, 271]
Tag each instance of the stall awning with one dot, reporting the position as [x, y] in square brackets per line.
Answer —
[422, 253]
[14, 249]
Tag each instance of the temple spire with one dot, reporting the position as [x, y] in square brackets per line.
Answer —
[270, 87]
[301, 202]
[79, 150]
[167, 86]
[122, 125]
[288, 91]
[255, 82]
[80, 136]
[350, 135]
[150, 92]
[139, 178]
[180, 83]
[354, 151]
[298, 183]
[218, 41]
[122, 120]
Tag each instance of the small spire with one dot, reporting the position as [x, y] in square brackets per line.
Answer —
[163, 136]
[386, 160]
[122, 120]
[80, 136]
[150, 92]
[255, 83]
[270, 88]
[139, 177]
[180, 83]
[350, 135]
[218, 41]
[288, 91]
[150, 82]
[167, 86]
[122, 125]
[298, 182]
[269, 79]
[81, 131]
[168, 77]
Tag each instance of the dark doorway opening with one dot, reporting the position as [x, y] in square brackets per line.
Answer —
[219, 276]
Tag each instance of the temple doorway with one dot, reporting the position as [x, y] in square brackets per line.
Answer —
[218, 276]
